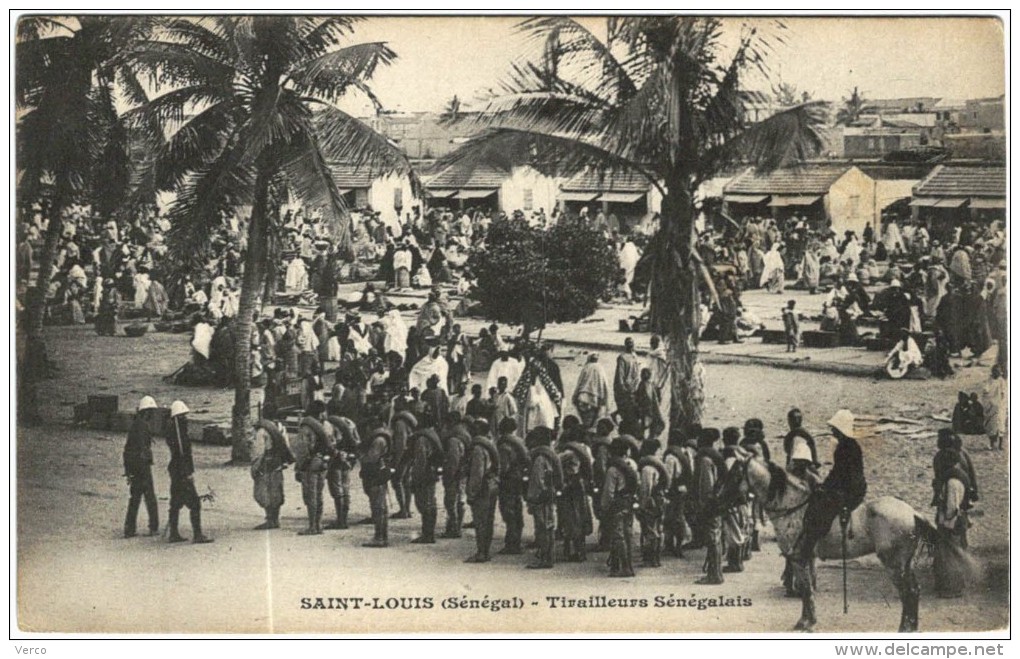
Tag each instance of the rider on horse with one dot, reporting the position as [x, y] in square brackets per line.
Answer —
[843, 489]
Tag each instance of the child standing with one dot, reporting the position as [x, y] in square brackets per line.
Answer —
[791, 326]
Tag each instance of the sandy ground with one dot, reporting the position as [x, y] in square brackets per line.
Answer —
[76, 574]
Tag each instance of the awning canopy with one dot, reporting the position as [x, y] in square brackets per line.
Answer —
[793, 200]
[621, 197]
[986, 202]
[954, 202]
[578, 196]
[745, 198]
[473, 194]
[441, 194]
[924, 201]
[344, 190]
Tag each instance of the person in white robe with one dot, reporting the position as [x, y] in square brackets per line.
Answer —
[201, 342]
[591, 395]
[504, 366]
[142, 281]
[773, 275]
[892, 240]
[296, 279]
[396, 333]
[629, 257]
[904, 357]
[852, 252]
[433, 363]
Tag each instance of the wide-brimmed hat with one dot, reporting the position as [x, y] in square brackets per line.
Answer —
[843, 421]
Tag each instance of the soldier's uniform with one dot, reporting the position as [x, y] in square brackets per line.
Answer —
[654, 483]
[454, 475]
[423, 463]
[482, 490]
[573, 511]
[182, 477]
[341, 463]
[708, 467]
[600, 462]
[514, 465]
[312, 471]
[138, 470]
[273, 454]
[544, 481]
[676, 531]
[404, 423]
[375, 474]
[619, 496]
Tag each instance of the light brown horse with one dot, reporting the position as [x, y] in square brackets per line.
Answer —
[886, 526]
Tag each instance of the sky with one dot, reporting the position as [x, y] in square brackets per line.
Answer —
[955, 58]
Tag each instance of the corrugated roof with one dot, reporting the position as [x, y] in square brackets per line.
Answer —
[807, 179]
[594, 181]
[949, 181]
[463, 176]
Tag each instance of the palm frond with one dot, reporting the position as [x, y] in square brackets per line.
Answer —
[329, 75]
[309, 176]
[788, 136]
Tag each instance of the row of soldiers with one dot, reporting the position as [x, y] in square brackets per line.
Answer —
[566, 483]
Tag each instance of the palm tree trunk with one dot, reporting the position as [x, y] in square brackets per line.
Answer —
[35, 360]
[251, 286]
[676, 313]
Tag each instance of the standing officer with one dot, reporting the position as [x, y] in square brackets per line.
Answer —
[138, 468]
[482, 489]
[182, 476]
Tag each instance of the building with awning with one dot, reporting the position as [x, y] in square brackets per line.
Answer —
[364, 187]
[952, 194]
[487, 187]
[837, 196]
[627, 195]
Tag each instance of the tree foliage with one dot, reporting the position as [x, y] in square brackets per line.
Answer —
[659, 96]
[529, 276]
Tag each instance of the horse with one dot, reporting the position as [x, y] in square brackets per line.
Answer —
[886, 526]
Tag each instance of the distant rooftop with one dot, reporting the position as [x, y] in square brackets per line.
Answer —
[957, 181]
[804, 179]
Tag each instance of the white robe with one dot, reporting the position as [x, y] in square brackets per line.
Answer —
[203, 339]
[396, 333]
[297, 276]
[142, 283]
[511, 369]
[773, 261]
[539, 409]
[426, 367]
[629, 257]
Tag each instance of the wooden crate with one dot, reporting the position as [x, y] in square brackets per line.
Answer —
[103, 404]
[819, 339]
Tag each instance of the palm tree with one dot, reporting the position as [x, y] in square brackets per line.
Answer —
[851, 110]
[245, 105]
[69, 137]
[655, 98]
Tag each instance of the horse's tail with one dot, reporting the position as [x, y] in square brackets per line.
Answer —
[956, 559]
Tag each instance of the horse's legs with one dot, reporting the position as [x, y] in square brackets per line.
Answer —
[898, 562]
[802, 577]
